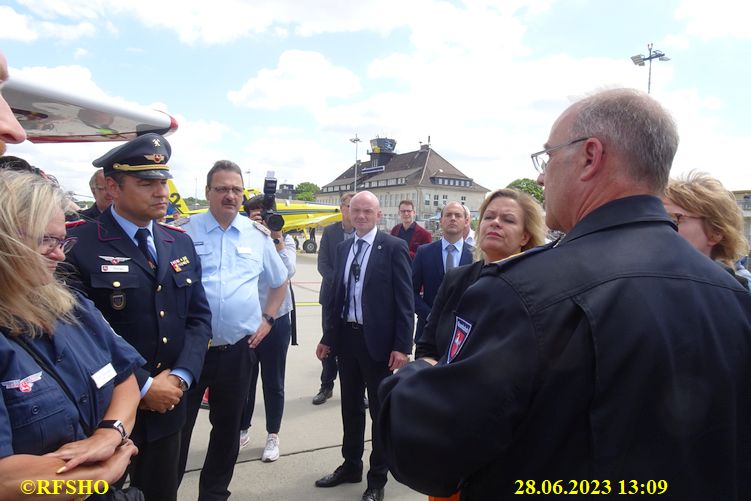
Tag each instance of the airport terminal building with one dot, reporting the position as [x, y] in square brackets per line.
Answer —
[422, 176]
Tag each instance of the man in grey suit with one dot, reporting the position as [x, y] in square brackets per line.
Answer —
[333, 235]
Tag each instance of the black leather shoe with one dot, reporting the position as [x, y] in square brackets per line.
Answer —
[340, 476]
[372, 494]
[323, 395]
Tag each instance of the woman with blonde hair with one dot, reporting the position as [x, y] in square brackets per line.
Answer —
[68, 396]
[708, 217]
[510, 222]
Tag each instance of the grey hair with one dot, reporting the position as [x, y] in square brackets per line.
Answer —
[636, 126]
[92, 180]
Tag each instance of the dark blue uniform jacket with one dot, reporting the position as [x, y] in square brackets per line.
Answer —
[36, 416]
[619, 354]
[163, 314]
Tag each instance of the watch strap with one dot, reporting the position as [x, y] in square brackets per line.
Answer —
[268, 318]
[115, 424]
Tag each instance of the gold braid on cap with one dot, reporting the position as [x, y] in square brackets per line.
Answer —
[136, 168]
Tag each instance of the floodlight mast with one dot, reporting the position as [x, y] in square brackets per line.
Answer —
[653, 54]
[355, 140]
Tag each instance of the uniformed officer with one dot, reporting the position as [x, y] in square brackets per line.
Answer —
[617, 360]
[145, 278]
[235, 252]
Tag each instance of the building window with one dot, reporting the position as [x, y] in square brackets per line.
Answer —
[435, 203]
[445, 197]
[464, 199]
[435, 197]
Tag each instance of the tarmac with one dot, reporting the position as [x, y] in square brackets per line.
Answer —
[310, 438]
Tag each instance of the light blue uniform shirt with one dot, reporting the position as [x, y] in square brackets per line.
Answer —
[232, 261]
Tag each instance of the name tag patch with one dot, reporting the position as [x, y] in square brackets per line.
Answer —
[104, 375]
[245, 250]
[461, 333]
[115, 268]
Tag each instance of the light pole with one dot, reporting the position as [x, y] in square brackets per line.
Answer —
[247, 177]
[355, 140]
[653, 54]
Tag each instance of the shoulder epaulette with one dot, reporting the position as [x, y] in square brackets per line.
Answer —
[171, 227]
[261, 228]
[73, 224]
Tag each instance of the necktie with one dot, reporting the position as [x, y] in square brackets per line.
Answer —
[142, 235]
[450, 261]
[354, 271]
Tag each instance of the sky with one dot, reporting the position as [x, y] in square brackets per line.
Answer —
[283, 85]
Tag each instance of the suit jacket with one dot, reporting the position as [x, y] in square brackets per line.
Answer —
[420, 236]
[163, 313]
[440, 323]
[333, 235]
[92, 212]
[427, 274]
[388, 308]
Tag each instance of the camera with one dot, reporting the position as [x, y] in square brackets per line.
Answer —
[274, 221]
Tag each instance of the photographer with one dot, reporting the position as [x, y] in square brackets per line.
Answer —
[272, 353]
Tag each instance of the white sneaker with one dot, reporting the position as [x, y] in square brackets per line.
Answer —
[271, 451]
[244, 438]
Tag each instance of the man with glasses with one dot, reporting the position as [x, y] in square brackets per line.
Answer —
[235, 252]
[629, 372]
[102, 200]
[369, 329]
[409, 231]
[145, 278]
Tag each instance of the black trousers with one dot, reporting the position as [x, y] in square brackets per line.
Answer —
[226, 372]
[154, 470]
[357, 371]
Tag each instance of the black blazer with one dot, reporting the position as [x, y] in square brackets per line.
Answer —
[163, 314]
[333, 235]
[439, 328]
[387, 301]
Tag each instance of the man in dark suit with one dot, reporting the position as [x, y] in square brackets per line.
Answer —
[409, 231]
[369, 328]
[102, 199]
[145, 278]
[333, 235]
[434, 259]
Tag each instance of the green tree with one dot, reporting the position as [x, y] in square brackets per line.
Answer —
[306, 191]
[528, 186]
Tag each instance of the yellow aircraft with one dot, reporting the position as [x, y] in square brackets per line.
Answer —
[51, 115]
[299, 217]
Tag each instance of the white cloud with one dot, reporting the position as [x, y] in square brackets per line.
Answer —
[720, 19]
[80, 53]
[15, 26]
[301, 79]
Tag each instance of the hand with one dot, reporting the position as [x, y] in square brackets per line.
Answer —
[163, 395]
[260, 333]
[98, 447]
[115, 466]
[278, 234]
[397, 360]
[430, 360]
[322, 351]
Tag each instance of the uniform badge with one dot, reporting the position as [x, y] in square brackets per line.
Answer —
[115, 268]
[115, 260]
[24, 385]
[177, 264]
[117, 300]
[461, 333]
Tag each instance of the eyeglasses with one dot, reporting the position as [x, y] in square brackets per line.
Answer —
[677, 217]
[223, 190]
[541, 158]
[406, 211]
[50, 243]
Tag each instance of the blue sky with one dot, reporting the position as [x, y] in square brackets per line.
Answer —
[283, 84]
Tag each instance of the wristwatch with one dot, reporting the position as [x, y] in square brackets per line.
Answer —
[268, 318]
[276, 241]
[115, 424]
[183, 383]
